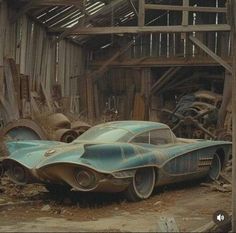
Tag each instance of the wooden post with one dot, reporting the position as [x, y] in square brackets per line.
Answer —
[232, 21]
[145, 89]
[141, 13]
[185, 17]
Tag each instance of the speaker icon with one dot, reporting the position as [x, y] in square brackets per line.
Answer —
[220, 216]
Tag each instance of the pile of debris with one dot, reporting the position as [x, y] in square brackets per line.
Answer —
[28, 111]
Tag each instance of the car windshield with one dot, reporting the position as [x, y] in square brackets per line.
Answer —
[107, 134]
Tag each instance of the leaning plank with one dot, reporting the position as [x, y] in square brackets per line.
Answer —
[11, 93]
[16, 81]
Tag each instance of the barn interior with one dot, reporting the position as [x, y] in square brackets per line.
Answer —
[67, 65]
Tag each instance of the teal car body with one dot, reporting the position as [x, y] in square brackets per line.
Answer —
[107, 157]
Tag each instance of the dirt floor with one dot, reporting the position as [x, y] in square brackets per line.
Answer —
[33, 208]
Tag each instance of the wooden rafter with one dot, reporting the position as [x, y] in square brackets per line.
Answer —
[210, 53]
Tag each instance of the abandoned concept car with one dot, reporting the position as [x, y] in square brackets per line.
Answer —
[129, 156]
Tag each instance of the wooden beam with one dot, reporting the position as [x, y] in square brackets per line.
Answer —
[60, 2]
[141, 13]
[210, 53]
[163, 62]
[185, 8]
[150, 29]
[185, 13]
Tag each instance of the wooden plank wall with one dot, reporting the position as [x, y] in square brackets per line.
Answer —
[36, 56]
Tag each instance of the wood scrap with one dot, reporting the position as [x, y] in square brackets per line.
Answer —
[217, 187]
[225, 178]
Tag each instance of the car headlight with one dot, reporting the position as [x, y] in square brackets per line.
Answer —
[85, 178]
[18, 174]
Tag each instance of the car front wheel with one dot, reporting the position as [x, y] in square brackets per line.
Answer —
[142, 185]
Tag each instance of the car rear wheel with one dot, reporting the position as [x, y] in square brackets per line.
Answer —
[215, 168]
[142, 185]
